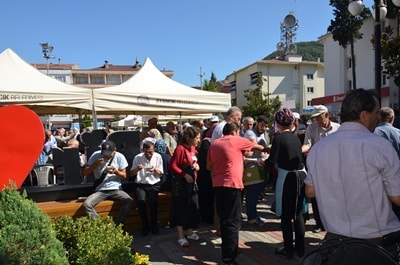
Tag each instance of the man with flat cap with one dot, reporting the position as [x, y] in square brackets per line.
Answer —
[321, 127]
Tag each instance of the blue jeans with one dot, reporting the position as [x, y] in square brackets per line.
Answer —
[253, 192]
[115, 195]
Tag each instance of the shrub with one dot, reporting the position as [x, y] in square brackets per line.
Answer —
[26, 235]
[96, 241]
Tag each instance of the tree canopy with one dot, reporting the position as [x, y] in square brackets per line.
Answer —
[259, 102]
[212, 84]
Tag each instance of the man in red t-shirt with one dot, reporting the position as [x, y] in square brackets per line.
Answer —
[225, 161]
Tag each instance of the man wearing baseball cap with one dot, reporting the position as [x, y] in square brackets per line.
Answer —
[321, 127]
[109, 168]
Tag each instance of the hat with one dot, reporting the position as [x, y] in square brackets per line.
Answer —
[318, 110]
[107, 148]
[186, 124]
[296, 115]
[161, 146]
[262, 118]
[214, 118]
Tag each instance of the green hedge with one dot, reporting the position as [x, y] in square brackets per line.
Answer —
[26, 234]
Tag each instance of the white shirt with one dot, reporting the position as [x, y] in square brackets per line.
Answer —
[145, 176]
[353, 171]
[217, 133]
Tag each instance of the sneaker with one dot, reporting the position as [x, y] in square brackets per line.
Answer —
[317, 230]
[281, 252]
[193, 236]
[258, 222]
[183, 242]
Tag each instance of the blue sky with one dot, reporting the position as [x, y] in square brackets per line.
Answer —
[219, 36]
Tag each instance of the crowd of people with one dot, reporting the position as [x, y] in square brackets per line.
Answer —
[350, 173]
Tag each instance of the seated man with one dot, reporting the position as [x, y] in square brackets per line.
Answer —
[109, 167]
[73, 143]
[148, 168]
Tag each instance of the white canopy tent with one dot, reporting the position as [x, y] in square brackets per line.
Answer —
[22, 84]
[128, 121]
[150, 92]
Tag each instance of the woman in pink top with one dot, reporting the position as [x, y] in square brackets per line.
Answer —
[225, 161]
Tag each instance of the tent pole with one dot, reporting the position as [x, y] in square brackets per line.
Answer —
[94, 116]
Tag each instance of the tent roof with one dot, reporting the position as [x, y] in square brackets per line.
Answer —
[22, 84]
[149, 92]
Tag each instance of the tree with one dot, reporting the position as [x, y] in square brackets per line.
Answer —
[86, 121]
[259, 102]
[390, 53]
[212, 84]
[345, 28]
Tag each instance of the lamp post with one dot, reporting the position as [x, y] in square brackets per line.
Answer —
[379, 13]
[47, 50]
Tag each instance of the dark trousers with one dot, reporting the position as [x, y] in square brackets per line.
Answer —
[229, 209]
[151, 192]
[292, 216]
[316, 216]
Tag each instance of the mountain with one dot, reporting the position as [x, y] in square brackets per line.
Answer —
[310, 50]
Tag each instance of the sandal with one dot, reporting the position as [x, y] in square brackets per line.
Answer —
[193, 236]
[183, 242]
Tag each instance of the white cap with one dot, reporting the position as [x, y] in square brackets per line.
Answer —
[296, 115]
[186, 124]
[318, 110]
[214, 118]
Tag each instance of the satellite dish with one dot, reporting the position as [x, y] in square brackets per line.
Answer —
[290, 21]
[280, 46]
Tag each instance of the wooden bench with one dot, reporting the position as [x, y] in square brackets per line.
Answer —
[74, 208]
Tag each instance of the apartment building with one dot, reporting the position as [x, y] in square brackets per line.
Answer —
[339, 66]
[294, 81]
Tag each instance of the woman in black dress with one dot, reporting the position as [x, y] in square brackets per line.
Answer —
[286, 155]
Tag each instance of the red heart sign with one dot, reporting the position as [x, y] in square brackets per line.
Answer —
[21, 141]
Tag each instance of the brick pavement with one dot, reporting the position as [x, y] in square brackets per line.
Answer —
[257, 244]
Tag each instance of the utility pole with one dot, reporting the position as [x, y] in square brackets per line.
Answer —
[201, 78]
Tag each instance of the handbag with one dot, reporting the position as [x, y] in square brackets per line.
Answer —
[252, 174]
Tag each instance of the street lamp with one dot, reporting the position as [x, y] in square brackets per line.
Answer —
[46, 50]
[379, 13]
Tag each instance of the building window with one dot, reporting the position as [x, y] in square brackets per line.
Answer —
[350, 63]
[310, 89]
[309, 103]
[233, 85]
[254, 78]
[310, 77]
[60, 78]
[125, 77]
[384, 77]
[113, 79]
[97, 79]
[81, 80]
[350, 84]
